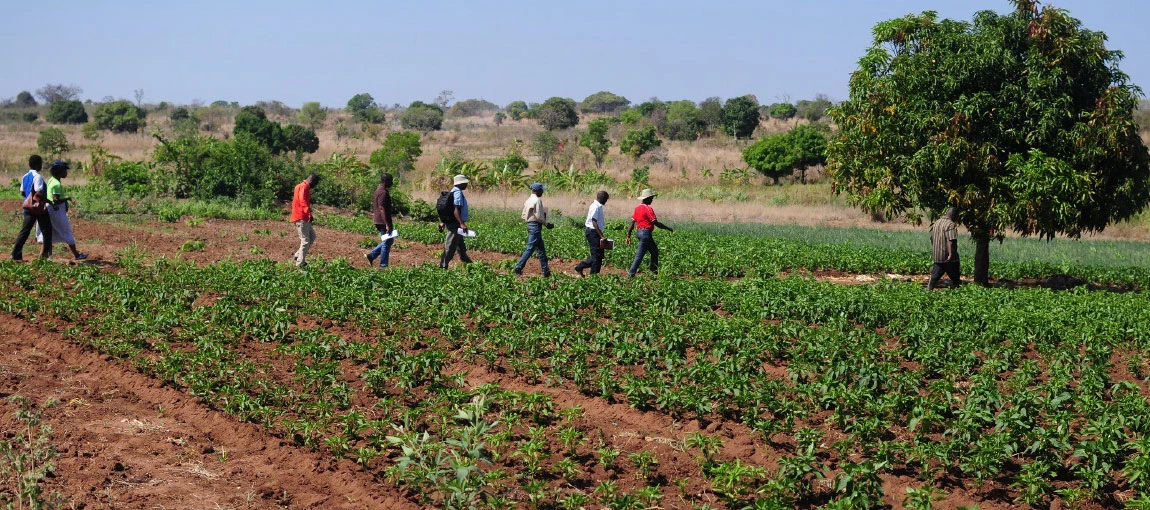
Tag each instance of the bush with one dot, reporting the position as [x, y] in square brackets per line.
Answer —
[630, 117]
[297, 138]
[472, 107]
[24, 99]
[517, 110]
[129, 177]
[682, 121]
[813, 110]
[782, 111]
[205, 168]
[179, 114]
[399, 152]
[422, 117]
[90, 131]
[595, 140]
[67, 112]
[53, 141]
[781, 154]
[312, 115]
[29, 116]
[558, 113]
[119, 117]
[545, 146]
[639, 141]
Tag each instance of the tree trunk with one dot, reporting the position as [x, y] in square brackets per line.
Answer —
[982, 260]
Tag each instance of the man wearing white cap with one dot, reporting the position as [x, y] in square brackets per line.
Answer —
[644, 218]
[535, 214]
[454, 240]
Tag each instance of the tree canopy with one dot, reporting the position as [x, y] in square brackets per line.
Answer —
[119, 117]
[363, 108]
[740, 116]
[66, 111]
[603, 102]
[1021, 121]
[781, 154]
[421, 116]
[596, 141]
[558, 113]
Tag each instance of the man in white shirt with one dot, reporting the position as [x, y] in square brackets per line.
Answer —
[535, 214]
[34, 183]
[595, 236]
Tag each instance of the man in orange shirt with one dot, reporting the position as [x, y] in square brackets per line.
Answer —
[644, 218]
[301, 216]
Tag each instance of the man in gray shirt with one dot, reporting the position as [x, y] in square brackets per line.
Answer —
[944, 241]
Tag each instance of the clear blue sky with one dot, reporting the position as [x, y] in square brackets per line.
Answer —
[296, 51]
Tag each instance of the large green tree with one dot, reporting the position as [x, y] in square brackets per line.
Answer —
[1022, 121]
[740, 116]
[781, 154]
[603, 102]
[363, 108]
[119, 117]
[558, 113]
[422, 117]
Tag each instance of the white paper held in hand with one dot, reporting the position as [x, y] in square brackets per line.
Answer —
[465, 233]
[394, 234]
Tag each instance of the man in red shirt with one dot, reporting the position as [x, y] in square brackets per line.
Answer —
[644, 218]
[301, 216]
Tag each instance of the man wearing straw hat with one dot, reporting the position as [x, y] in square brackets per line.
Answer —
[535, 214]
[454, 240]
[644, 218]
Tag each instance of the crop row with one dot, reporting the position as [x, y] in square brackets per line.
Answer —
[702, 253]
[1041, 394]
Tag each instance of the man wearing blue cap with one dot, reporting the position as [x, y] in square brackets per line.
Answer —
[535, 214]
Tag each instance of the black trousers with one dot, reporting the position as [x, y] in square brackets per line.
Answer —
[26, 231]
[952, 269]
[595, 261]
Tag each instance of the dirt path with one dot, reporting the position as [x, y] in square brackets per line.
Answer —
[127, 441]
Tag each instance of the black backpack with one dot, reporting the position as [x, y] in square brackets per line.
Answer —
[445, 207]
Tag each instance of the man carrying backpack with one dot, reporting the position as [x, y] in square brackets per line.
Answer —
[535, 214]
[453, 216]
[34, 189]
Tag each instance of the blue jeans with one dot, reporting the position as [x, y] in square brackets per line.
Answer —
[534, 245]
[646, 244]
[383, 251]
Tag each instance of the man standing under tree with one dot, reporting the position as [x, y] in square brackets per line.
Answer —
[535, 214]
[301, 216]
[644, 218]
[594, 233]
[453, 242]
[30, 184]
[381, 214]
[944, 240]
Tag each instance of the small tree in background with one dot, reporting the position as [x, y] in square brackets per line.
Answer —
[1026, 125]
[363, 108]
[499, 118]
[53, 141]
[517, 110]
[55, 92]
[24, 99]
[545, 146]
[422, 117]
[782, 111]
[68, 111]
[399, 151]
[119, 117]
[472, 107]
[781, 154]
[254, 122]
[740, 116]
[711, 114]
[682, 121]
[299, 139]
[312, 115]
[595, 140]
[638, 142]
[558, 113]
[813, 110]
[603, 102]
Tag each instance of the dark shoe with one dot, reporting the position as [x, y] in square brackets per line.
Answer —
[370, 259]
[517, 271]
[579, 269]
[82, 256]
[547, 273]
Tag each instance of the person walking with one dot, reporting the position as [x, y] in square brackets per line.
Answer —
[302, 217]
[535, 214]
[457, 226]
[381, 212]
[944, 241]
[58, 209]
[593, 231]
[644, 218]
[33, 183]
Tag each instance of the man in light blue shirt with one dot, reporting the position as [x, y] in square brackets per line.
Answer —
[454, 242]
[34, 183]
[594, 233]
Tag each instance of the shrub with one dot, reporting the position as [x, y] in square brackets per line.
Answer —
[595, 140]
[782, 111]
[813, 110]
[630, 117]
[253, 122]
[119, 117]
[90, 131]
[312, 115]
[639, 141]
[297, 138]
[66, 112]
[711, 114]
[206, 168]
[781, 154]
[399, 152]
[558, 113]
[682, 121]
[29, 116]
[53, 141]
[421, 116]
[129, 177]
[545, 146]
[24, 99]
[179, 114]
[603, 102]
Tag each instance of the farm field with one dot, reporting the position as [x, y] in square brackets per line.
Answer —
[219, 374]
